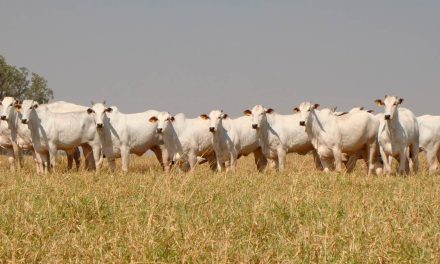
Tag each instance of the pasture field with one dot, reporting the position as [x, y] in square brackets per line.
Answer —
[146, 216]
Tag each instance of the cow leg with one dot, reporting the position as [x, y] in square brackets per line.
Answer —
[17, 155]
[233, 161]
[99, 159]
[371, 151]
[125, 155]
[37, 163]
[273, 163]
[192, 159]
[11, 159]
[260, 160]
[414, 154]
[69, 160]
[326, 165]
[402, 161]
[212, 160]
[158, 153]
[77, 158]
[89, 161]
[317, 160]
[53, 156]
[45, 161]
[281, 159]
[337, 155]
[385, 161]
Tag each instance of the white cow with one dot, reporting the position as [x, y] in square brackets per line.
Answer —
[233, 138]
[332, 135]
[58, 131]
[279, 135]
[429, 139]
[187, 139]
[10, 139]
[398, 135]
[122, 134]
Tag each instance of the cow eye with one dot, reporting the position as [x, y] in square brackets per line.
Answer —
[10, 104]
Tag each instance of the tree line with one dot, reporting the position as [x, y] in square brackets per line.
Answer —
[21, 83]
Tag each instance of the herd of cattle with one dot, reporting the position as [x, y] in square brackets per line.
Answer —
[335, 139]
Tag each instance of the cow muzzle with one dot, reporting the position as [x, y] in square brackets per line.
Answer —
[212, 129]
[24, 121]
[254, 126]
[302, 123]
[159, 130]
[99, 125]
[3, 117]
[387, 117]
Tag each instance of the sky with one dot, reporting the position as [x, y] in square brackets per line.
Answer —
[196, 56]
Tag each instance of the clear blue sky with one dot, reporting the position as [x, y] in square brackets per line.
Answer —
[195, 56]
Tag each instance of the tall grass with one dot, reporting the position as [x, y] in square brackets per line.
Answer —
[147, 216]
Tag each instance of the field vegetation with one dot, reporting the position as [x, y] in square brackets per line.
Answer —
[145, 216]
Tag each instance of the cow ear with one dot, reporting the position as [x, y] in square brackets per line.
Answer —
[172, 119]
[362, 108]
[153, 119]
[247, 112]
[90, 110]
[400, 100]
[17, 102]
[35, 106]
[269, 111]
[379, 102]
[17, 106]
[109, 109]
[296, 110]
[316, 106]
[224, 116]
[204, 116]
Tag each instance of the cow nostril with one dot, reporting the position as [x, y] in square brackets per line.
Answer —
[387, 117]
[24, 121]
[211, 129]
[99, 125]
[302, 123]
[3, 117]
[159, 130]
[254, 126]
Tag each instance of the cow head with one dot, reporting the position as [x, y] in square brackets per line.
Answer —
[391, 104]
[9, 104]
[258, 114]
[305, 109]
[163, 121]
[215, 120]
[98, 111]
[26, 108]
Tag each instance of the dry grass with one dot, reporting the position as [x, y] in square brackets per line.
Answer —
[146, 216]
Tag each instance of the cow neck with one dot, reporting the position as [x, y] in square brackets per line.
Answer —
[392, 124]
[316, 128]
[219, 134]
[263, 133]
[172, 136]
[35, 121]
[105, 132]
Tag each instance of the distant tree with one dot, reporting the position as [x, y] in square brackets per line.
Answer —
[38, 89]
[19, 83]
